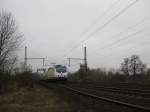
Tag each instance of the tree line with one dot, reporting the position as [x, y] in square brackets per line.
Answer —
[132, 69]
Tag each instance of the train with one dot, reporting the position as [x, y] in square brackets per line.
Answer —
[57, 72]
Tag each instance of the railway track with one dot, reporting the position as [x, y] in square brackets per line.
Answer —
[135, 92]
[94, 94]
[117, 85]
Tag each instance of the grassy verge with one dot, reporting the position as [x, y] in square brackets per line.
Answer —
[37, 99]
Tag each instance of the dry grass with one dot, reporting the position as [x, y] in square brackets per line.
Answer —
[38, 99]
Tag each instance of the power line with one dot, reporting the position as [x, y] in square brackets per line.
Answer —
[124, 38]
[143, 30]
[130, 27]
[100, 17]
[142, 45]
[105, 24]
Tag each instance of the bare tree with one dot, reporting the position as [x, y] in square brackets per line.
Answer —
[125, 66]
[10, 39]
[136, 65]
[133, 65]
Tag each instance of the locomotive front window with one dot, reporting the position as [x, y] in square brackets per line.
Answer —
[61, 69]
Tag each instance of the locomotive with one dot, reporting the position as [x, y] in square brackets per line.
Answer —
[57, 72]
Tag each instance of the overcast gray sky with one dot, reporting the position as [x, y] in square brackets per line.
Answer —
[57, 29]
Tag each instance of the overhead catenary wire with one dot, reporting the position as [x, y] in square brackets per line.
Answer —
[100, 17]
[124, 38]
[133, 47]
[128, 28]
[104, 25]
[93, 23]
[142, 45]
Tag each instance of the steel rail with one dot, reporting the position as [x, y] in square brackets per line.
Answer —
[112, 83]
[133, 106]
[113, 87]
[119, 90]
[105, 99]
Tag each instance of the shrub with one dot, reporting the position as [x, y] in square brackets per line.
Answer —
[6, 82]
[24, 80]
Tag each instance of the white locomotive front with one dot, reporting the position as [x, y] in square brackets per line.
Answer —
[57, 72]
